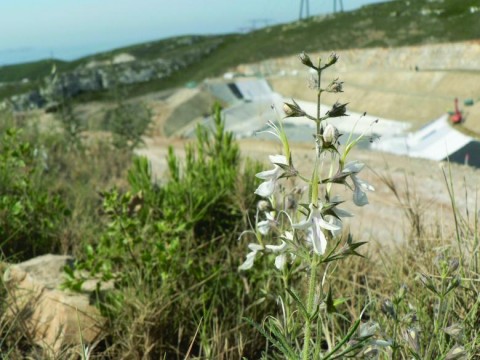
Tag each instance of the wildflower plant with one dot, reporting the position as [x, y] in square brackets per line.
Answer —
[302, 228]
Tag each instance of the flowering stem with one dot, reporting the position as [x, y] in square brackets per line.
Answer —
[310, 307]
[319, 94]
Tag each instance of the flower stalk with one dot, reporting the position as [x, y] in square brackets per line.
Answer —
[310, 307]
[299, 234]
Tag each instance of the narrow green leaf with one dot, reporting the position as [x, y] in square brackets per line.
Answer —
[330, 303]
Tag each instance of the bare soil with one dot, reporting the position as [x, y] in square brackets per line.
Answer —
[397, 92]
[385, 83]
[420, 184]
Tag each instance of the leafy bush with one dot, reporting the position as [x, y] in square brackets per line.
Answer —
[162, 241]
[128, 122]
[30, 217]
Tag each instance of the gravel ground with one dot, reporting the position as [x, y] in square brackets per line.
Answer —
[384, 218]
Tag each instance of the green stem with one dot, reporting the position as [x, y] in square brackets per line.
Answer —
[310, 307]
[318, 120]
[319, 94]
[287, 301]
[395, 327]
[438, 322]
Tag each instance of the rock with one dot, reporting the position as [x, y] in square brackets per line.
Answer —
[122, 69]
[53, 318]
[123, 58]
[28, 101]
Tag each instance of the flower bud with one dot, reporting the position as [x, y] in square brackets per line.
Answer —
[388, 309]
[263, 205]
[453, 284]
[453, 265]
[293, 110]
[305, 59]
[412, 337]
[428, 282]
[454, 330]
[400, 294]
[456, 353]
[330, 134]
[335, 86]
[332, 59]
[337, 110]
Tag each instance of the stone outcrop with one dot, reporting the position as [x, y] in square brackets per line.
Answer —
[29, 101]
[54, 319]
[121, 69]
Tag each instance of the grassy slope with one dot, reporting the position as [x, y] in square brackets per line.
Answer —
[391, 23]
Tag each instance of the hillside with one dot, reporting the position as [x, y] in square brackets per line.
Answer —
[390, 24]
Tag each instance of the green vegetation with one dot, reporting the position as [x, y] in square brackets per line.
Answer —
[30, 217]
[36, 70]
[172, 251]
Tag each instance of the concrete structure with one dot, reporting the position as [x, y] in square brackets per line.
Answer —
[251, 103]
[438, 140]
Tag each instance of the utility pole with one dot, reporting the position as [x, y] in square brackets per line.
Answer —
[335, 5]
[304, 4]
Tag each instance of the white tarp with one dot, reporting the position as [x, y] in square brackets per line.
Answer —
[434, 141]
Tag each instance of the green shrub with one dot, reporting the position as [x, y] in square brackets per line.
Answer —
[160, 242]
[127, 122]
[30, 217]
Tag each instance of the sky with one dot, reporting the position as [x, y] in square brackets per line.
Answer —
[68, 29]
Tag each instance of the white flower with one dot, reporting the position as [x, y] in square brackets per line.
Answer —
[359, 195]
[360, 186]
[314, 223]
[281, 259]
[266, 188]
[334, 221]
[330, 134]
[353, 167]
[248, 263]
[264, 226]
[283, 250]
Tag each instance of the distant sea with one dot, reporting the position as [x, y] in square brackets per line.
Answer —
[29, 54]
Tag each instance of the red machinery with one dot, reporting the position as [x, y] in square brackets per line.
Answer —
[457, 116]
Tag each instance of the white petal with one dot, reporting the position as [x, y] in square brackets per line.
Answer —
[270, 174]
[264, 227]
[302, 225]
[319, 242]
[288, 235]
[277, 248]
[305, 224]
[359, 197]
[365, 185]
[326, 225]
[278, 159]
[266, 188]
[353, 167]
[333, 220]
[249, 261]
[255, 247]
[362, 183]
[280, 261]
[270, 215]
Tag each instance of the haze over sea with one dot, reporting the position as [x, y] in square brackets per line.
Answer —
[32, 30]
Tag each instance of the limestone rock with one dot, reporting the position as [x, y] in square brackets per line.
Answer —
[53, 318]
[28, 101]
